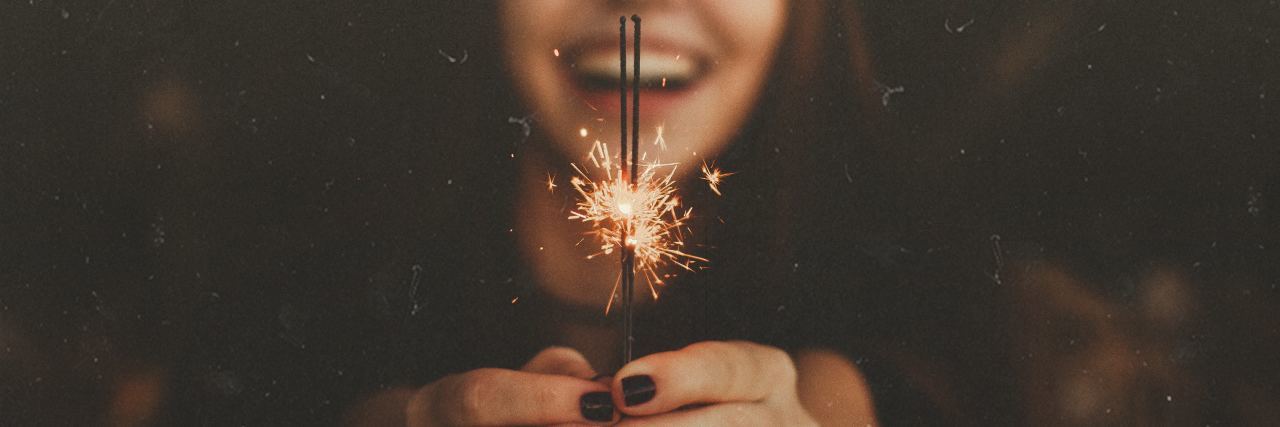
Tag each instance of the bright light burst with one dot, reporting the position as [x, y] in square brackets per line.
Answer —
[659, 141]
[648, 214]
[551, 183]
[714, 176]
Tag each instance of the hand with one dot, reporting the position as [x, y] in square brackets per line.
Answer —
[740, 384]
[555, 387]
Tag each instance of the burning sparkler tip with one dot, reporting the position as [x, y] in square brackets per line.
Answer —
[638, 214]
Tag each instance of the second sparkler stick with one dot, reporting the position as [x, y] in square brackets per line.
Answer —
[629, 170]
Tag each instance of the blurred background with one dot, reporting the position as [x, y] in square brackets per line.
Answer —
[220, 212]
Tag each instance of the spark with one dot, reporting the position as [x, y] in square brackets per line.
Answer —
[551, 183]
[582, 132]
[714, 176]
[556, 52]
[648, 213]
[659, 141]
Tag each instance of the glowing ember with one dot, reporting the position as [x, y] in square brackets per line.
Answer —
[713, 176]
[659, 141]
[648, 215]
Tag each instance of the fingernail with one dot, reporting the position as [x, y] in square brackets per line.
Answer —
[597, 406]
[637, 389]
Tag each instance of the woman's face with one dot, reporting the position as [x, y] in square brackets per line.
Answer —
[701, 68]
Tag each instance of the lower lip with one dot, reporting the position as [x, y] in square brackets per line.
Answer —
[653, 102]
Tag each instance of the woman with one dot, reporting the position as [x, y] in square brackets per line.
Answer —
[704, 65]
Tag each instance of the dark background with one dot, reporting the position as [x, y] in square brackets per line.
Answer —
[232, 212]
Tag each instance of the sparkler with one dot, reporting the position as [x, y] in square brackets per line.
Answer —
[628, 210]
[634, 210]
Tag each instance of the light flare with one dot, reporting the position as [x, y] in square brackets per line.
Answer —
[646, 217]
[713, 176]
[659, 140]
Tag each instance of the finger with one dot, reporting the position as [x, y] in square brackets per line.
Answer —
[725, 414]
[706, 372]
[560, 361]
[504, 397]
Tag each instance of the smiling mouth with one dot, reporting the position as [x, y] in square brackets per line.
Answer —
[597, 70]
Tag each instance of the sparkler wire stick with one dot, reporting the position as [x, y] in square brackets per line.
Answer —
[628, 250]
[622, 141]
[635, 100]
[622, 91]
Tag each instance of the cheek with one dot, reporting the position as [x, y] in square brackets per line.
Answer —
[527, 24]
[750, 34]
[753, 27]
[531, 30]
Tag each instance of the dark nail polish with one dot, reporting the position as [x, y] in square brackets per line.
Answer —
[638, 389]
[597, 406]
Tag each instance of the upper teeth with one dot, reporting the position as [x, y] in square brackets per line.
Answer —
[655, 67]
